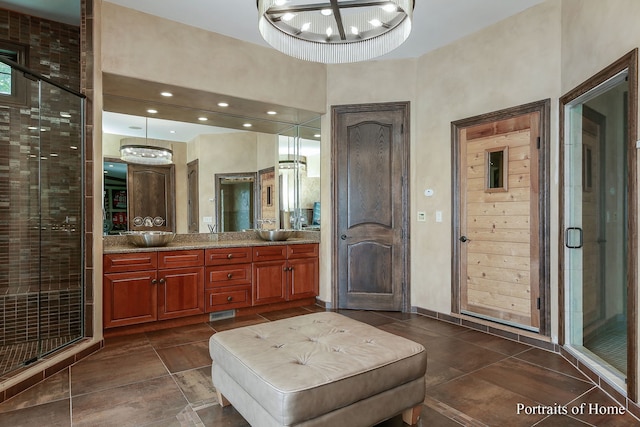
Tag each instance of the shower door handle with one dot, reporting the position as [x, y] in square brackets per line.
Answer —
[567, 235]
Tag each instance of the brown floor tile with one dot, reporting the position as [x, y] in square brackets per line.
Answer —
[439, 372]
[237, 322]
[180, 335]
[551, 361]
[92, 375]
[438, 326]
[534, 382]
[428, 418]
[419, 335]
[197, 387]
[461, 355]
[561, 421]
[54, 414]
[185, 357]
[119, 346]
[596, 401]
[484, 402]
[54, 388]
[286, 313]
[130, 405]
[493, 342]
[371, 318]
[216, 415]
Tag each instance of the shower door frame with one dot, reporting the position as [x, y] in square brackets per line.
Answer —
[629, 62]
[81, 224]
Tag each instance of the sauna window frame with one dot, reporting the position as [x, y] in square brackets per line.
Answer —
[504, 170]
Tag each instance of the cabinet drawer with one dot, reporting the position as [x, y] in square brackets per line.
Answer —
[235, 274]
[302, 251]
[176, 259]
[228, 298]
[269, 253]
[224, 256]
[137, 261]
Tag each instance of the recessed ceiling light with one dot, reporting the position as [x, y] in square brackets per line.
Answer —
[152, 111]
[272, 113]
[326, 12]
[223, 104]
[53, 154]
[167, 94]
[247, 125]
[110, 165]
[66, 115]
[317, 135]
[32, 128]
[203, 119]
[172, 131]
[73, 147]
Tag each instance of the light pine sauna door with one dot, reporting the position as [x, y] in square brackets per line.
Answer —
[499, 220]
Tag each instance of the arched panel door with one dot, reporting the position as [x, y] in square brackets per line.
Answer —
[370, 206]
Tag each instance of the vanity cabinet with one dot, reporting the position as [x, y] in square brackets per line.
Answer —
[148, 286]
[228, 278]
[284, 273]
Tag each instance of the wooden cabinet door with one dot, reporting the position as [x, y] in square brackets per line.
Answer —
[180, 292]
[303, 278]
[269, 282]
[130, 298]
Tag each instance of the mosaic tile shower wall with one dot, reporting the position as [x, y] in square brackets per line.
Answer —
[41, 188]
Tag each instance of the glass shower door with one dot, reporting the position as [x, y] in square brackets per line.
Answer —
[41, 226]
[596, 233]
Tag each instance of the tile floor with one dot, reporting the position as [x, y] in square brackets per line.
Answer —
[163, 379]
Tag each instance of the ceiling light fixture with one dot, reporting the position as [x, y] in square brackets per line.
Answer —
[223, 104]
[145, 154]
[335, 31]
[166, 94]
[152, 111]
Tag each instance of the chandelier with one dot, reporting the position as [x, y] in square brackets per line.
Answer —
[335, 31]
[146, 155]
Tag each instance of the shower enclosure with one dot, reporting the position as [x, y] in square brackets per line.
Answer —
[41, 216]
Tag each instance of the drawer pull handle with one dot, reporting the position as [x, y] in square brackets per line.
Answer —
[229, 256]
[229, 299]
[154, 281]
[162, 281]
[229, 276]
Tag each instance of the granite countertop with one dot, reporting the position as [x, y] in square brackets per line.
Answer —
[119, 244]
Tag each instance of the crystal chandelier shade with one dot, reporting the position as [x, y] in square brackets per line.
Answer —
[335, 31]
[146, 155]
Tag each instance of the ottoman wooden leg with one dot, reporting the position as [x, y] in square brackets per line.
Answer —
[222, 400]
[412, 415]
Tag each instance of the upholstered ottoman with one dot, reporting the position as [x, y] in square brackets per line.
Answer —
[319, 369]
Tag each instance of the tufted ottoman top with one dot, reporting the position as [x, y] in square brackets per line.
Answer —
[305, 366]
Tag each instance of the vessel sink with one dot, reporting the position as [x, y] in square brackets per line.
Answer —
[148, 239]
[275, 235]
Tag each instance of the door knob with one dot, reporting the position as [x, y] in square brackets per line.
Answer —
[464, 239]
[229, 276]
[343, 237]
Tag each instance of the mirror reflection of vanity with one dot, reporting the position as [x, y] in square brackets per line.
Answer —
[225, 179]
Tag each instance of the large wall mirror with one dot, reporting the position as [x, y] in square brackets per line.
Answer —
[225, 179]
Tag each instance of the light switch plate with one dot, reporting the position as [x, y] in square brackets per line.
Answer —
[438, 216]
[422, 217]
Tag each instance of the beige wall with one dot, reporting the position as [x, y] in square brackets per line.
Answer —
[135, 44]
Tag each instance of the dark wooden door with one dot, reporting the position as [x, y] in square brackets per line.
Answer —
[151, 197]
[193, 194]
[370, 151]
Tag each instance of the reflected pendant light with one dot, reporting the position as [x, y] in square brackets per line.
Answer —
[146, 154]
[335, 31]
